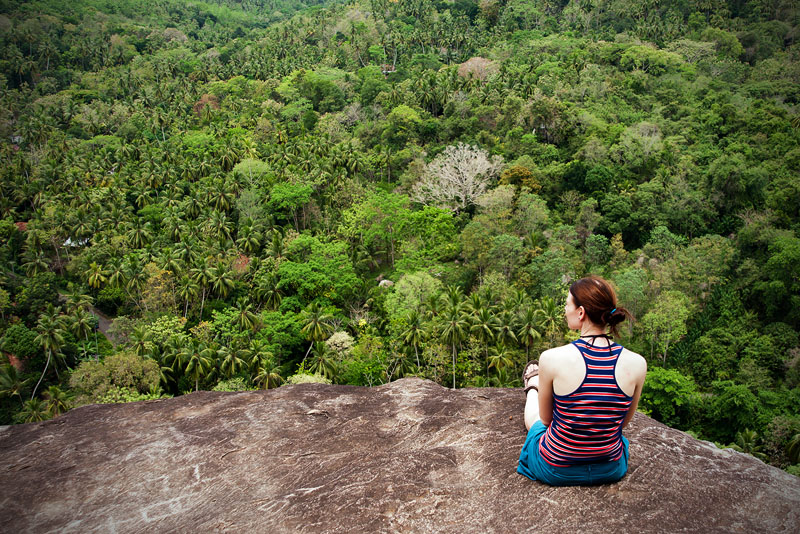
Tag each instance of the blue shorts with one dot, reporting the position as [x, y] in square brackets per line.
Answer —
[533, 466]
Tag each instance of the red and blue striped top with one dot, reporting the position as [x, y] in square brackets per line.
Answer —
[587, 423]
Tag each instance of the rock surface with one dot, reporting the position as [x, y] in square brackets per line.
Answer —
[410, 456]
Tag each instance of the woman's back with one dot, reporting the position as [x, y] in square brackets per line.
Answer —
[589, 407]
[570, 369]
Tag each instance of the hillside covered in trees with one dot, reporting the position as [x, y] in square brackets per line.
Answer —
[253, 192]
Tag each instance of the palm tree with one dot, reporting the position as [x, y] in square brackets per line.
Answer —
[454, 331]
[136, 278]
[219, 226]
[322, 360]
[317, 326]
[201, 274]
[140, 341]
[277, 248]
[245, 318]
[165, 359]
[170, 260]
[267, 290]
[186, 251]
[793, 449]
[77, 300]
[249, 240]
[139, 234]
[37, 263]
[116, 273]
[432, 306]
[505, 329]
[552, 317]
[82, 324]
[221, 280]
[267, 372]
[256, 350]
[33, 411]
[400, 366]
[187, 290]
[747, 441]
[50, 337]
[528, 330]
[169, 359]
[518, 299]
[197, 359]
[173, 227]
[454, 295]
[500, 357]
[414, 333]
[57, 401]
[11, 383]
[484, 325]
[220, 198]
[474, 303]
[502, 379]
[230, 360]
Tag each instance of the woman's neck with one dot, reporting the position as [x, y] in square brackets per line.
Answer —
[592, 331]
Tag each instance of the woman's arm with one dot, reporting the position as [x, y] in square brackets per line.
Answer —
[546, 374]
[642, 372]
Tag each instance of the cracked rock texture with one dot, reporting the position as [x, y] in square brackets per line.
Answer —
[410, 456]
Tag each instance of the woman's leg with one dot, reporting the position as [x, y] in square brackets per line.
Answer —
[532, 403]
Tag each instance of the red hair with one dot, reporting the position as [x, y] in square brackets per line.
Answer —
[599, 301]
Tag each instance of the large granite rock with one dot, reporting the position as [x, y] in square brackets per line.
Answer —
[410, 456]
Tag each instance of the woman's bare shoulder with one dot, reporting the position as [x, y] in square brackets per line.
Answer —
[557, 352]
[633, 359]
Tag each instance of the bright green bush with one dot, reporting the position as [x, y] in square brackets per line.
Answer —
[117, 395]
[234, 384]
[124, 370]
[20, 341]
[669, 396]
[307, 378]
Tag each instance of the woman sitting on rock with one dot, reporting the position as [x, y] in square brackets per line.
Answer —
[580, 396]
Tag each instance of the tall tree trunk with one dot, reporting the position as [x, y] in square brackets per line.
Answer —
[454, 366]
[49, 353]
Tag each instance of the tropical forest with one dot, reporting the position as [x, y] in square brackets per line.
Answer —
[234, 195]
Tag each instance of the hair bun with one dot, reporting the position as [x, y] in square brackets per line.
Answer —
[615, 316]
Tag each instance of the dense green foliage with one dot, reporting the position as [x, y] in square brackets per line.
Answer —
[354, 193]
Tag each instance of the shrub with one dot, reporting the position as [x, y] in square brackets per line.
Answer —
[109, 299]
[117, 395]
[307, 378]
[20, 341]
[234, 384]
[733, 408]
[777, 437]
[669, 396]
[39, 291]
[124, 370]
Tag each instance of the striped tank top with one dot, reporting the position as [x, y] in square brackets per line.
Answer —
[587, 423]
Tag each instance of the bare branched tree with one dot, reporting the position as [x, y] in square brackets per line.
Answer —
[456, 177]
